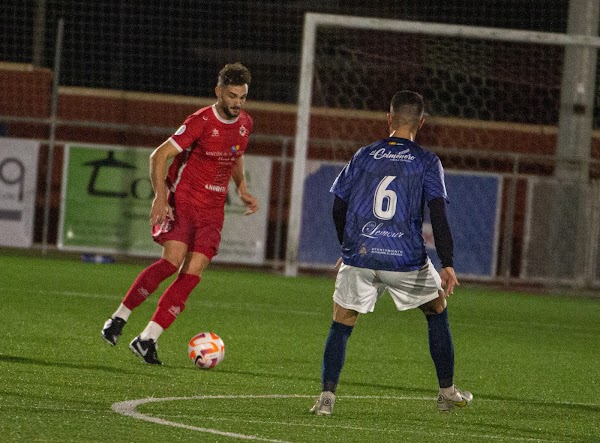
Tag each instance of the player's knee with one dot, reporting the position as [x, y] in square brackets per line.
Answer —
[344, 316]
[175, 253]
[174, 259]
[195, 263]
[434, 307]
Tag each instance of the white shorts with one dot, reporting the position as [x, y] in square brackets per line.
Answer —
[359, 288]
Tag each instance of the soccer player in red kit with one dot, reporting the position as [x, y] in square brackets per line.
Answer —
[188, 207]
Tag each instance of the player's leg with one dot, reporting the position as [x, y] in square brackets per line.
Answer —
[170, 305]
[173, 301]
[204, 246]
[422, 288]
[204, 236]
[174, 253]
[334, 356]
[145, 284]
[355, 291]
[441, 349]
[440, 340]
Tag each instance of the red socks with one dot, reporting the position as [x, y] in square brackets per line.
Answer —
[172, 302]
[147, 282]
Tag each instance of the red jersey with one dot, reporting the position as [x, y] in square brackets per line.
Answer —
[209, 145]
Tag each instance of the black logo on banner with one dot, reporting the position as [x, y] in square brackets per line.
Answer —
[12, 172]
[111, 162]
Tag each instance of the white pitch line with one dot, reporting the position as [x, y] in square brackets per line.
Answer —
[362, 428]
[128, 408]
[66, 293]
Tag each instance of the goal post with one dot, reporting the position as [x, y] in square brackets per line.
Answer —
[315, 23]
[309, 35]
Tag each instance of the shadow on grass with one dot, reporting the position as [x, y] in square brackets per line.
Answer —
[62, 364]
[431, 392]
[401, 389]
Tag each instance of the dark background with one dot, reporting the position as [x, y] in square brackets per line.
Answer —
[177, 47]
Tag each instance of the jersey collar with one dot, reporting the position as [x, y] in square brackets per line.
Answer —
[221, 119]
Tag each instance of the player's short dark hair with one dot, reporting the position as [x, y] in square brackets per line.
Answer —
[234, 74]
[407, 107]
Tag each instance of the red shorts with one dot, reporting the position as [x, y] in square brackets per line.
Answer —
[198, 228]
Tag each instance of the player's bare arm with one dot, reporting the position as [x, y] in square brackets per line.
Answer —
[158, 169]
[239, 178]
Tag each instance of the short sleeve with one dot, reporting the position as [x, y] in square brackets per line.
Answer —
[190, 131]
[434, 185]
[342, 186]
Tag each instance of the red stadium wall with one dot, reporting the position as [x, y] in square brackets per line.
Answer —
[132, 113]
[139, 119]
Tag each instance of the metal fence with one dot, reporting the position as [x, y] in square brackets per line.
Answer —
[122, 73]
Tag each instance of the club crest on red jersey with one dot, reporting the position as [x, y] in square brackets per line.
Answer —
[243, 131]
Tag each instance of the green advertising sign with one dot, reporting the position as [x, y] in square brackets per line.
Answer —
[106, 199]
[107, 195]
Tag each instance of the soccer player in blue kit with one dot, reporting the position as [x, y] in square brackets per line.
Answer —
[378, 214]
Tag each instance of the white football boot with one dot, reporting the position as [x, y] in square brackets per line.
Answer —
[458, 399]
[324, 404]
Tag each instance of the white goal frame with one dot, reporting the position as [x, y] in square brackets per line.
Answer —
[312, 21]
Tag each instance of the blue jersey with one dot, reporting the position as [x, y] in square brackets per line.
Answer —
[386, 186]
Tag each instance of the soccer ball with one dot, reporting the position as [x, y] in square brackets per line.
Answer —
[206, 350]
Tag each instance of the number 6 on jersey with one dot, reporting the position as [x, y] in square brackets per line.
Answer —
[385, 198]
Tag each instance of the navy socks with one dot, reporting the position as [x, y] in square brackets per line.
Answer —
[441, 348]
[334, 355]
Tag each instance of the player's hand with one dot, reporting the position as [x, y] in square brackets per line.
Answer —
[160, 211]
[249, 201]
[449, 280]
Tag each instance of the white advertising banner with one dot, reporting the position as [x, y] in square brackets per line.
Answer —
[18, 177]
[244, 237]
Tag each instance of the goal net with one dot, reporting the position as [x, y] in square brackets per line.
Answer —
[484, 88]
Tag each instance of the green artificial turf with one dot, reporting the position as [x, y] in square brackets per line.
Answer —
[530, 360]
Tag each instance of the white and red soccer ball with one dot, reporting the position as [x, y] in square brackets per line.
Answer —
[206, 350]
